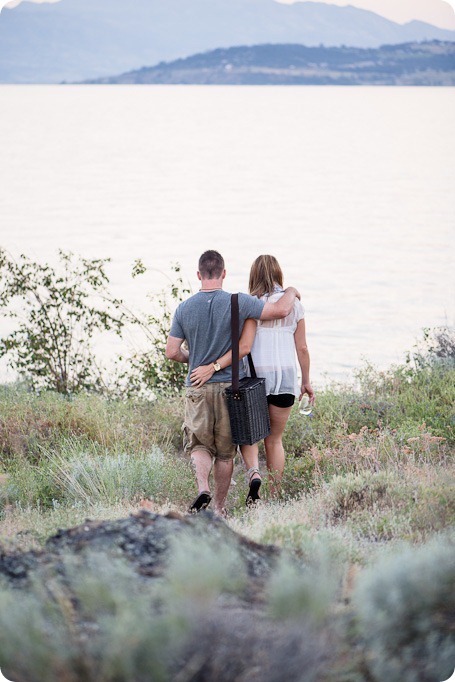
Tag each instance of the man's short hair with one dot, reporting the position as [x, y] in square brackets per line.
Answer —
[211, 265]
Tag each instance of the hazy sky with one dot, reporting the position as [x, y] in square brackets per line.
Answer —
[437, 12]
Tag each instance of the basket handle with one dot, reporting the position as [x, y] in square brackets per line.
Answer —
[235, 337]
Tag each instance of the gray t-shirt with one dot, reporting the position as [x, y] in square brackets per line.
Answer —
[204, 320]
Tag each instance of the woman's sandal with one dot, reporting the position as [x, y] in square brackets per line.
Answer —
[255, 484]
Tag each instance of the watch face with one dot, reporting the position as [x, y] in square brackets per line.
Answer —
[217, 366]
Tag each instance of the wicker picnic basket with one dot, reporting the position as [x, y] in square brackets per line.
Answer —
[246, 399]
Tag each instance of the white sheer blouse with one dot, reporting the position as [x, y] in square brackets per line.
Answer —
[273, 351]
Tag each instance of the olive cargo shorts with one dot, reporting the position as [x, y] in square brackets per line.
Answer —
[207, 425]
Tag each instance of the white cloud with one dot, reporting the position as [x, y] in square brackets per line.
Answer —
[438, 12]
[14, 3]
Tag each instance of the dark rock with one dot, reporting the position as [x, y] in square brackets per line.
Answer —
[230, 638]
[143, 539]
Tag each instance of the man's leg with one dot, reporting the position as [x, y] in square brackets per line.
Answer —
[225, 448]
[222, 474]
[198, 441]
[202, 463]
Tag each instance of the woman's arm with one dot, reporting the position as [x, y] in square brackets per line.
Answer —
[281, 308]
[203, 373]
[304, 360]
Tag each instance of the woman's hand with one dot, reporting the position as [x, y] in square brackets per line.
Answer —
[307, 388]
[201, 374]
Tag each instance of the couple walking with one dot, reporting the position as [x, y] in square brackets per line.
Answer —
[272, 327]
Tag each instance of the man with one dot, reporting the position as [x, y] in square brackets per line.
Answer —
[204, 322]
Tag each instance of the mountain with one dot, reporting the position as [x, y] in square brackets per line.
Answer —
[74, 40]
[409, 64]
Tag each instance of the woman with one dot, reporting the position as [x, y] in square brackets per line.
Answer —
[273, 346]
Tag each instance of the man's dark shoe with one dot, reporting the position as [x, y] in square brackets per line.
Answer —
[201, 502]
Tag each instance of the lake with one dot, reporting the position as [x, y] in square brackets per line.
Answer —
[352, 189]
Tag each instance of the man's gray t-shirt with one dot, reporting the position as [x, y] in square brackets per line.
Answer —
[204, 320]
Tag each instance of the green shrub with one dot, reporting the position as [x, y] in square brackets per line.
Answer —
[406, 606]
[233, 641]
[388, 505]
[240, 644]
[406, 398]
[100, 626]
[34, 638]
[147, 372]
[132, 641]
[421, 392]
[200, 569]
[95, 619]
[307, 593]
[367, 491]
[56, 314]
[298, 475]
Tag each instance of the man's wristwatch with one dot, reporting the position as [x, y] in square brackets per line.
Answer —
[216, 366]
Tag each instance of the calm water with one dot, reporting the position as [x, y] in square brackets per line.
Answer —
[351, 188]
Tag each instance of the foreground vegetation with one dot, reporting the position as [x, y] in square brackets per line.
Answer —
[364, 589]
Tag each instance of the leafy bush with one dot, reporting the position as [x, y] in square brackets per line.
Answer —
[391, 504]
[57, 313]
[422, 391]
[405, 607]
[241, 644]
[436, 348]
[148, 369]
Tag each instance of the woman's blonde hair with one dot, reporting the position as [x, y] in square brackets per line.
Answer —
[264, 274]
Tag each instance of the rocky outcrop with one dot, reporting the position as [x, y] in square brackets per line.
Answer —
[143, 539]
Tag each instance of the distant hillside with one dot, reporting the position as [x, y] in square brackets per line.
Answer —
[74, 40]
[409, 64]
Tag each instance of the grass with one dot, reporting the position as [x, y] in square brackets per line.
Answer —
[369, 483]
[375, 461]
[31, 422]
[75, 475]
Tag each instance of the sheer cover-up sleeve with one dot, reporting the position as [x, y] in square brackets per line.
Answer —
[274, 352]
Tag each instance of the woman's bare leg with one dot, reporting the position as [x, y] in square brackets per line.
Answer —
[274, 446]
[250, 454]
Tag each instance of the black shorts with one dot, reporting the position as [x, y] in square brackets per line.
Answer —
[283, 400]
